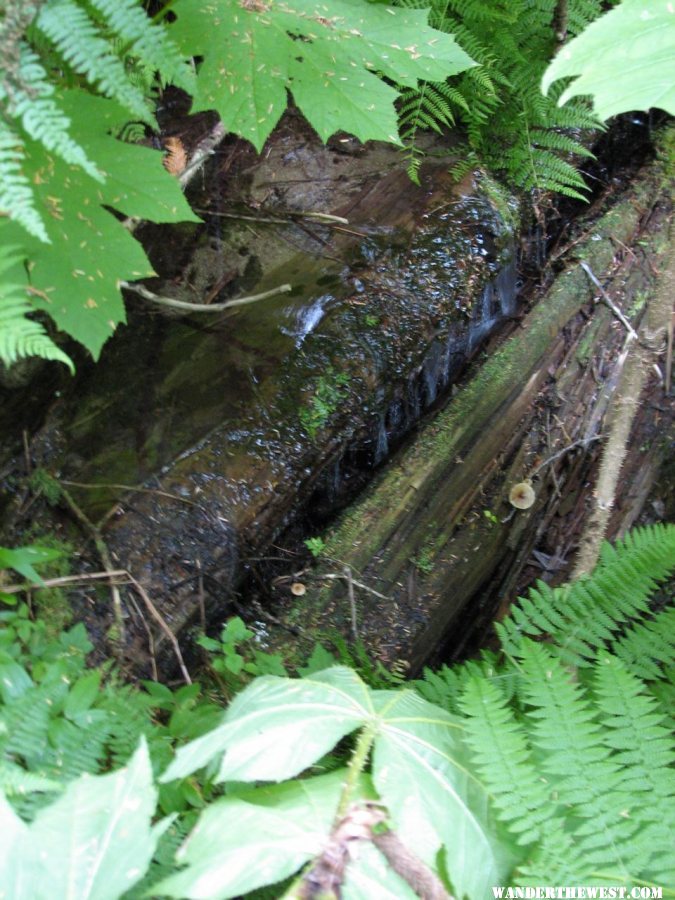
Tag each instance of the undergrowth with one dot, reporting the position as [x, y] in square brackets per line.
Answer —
[549, 761]
[511, 127]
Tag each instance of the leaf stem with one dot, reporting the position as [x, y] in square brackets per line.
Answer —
[356, 766]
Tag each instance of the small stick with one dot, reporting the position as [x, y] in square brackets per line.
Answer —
[104, 554]
[352, 602]
[202, 153]
[358, 584]
[156, 615]
[26, 451]
[200, 595]
[151, 640]
[584, 442]
[65, 580]
[610, 303]
[201, 307]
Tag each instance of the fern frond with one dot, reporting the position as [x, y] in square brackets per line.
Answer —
[31, 102]
[585, 775]
[16, 195]
[634, 729]
[19, 335]
[554, 140]
[88, 52]
[504, 761]
[147, 41]
[16, 781]
[583, 617]
[648, 648]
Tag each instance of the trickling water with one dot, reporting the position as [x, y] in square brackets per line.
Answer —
[304, 318]
[382, 443]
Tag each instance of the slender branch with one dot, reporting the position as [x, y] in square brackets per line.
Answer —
[359, 584]
[608, 300]
[584, 442]
[352, 602]
[172, 303]
[157, 616]
[65, 580]
[104, 554]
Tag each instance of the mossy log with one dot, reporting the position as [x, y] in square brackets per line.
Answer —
[425, 556]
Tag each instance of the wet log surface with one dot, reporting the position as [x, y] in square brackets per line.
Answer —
[418, 567]
[226, 425]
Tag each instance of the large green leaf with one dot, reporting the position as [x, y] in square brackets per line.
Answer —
[625, 59]
[369, 875]
[13, 874]
[98, 835]
[76, 277]
[136, 182]
[420, 772]
[278, 726]
[324, 54]
[242, 844]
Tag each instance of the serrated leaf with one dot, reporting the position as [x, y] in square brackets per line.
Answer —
[277, 727]
[14, 680]
[625, 60]
[241, 844]
[254, 53]
[136, 182]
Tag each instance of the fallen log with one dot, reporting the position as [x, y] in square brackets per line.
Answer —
[436, 534]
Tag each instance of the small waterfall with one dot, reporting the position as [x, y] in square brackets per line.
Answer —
[304, 319]
[382, 443]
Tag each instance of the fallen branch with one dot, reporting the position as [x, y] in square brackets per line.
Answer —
[172, 303]
[353, 581]
[157, 616]
[608, 300]
[65, 581]
[104, 554]
[584, 442]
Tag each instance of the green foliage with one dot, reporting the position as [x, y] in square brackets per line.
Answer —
[316, 546]
[235, 659]
[329, 392]
[24, 559]
[511, 127]
[96, 823]
[417, 770]
[602, 610]
[625, 60]
[76, 72]
[329, 58]
[526, 770]
[63, 170]
[19, 335]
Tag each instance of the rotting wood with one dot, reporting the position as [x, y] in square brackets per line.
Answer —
[420, 535]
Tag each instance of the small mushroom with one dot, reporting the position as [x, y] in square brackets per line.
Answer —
[298, 589]
[522, 495]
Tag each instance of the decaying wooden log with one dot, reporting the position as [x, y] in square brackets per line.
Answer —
[436, 534]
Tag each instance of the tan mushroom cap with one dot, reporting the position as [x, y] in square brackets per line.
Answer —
[298, 589]
[522, 495]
